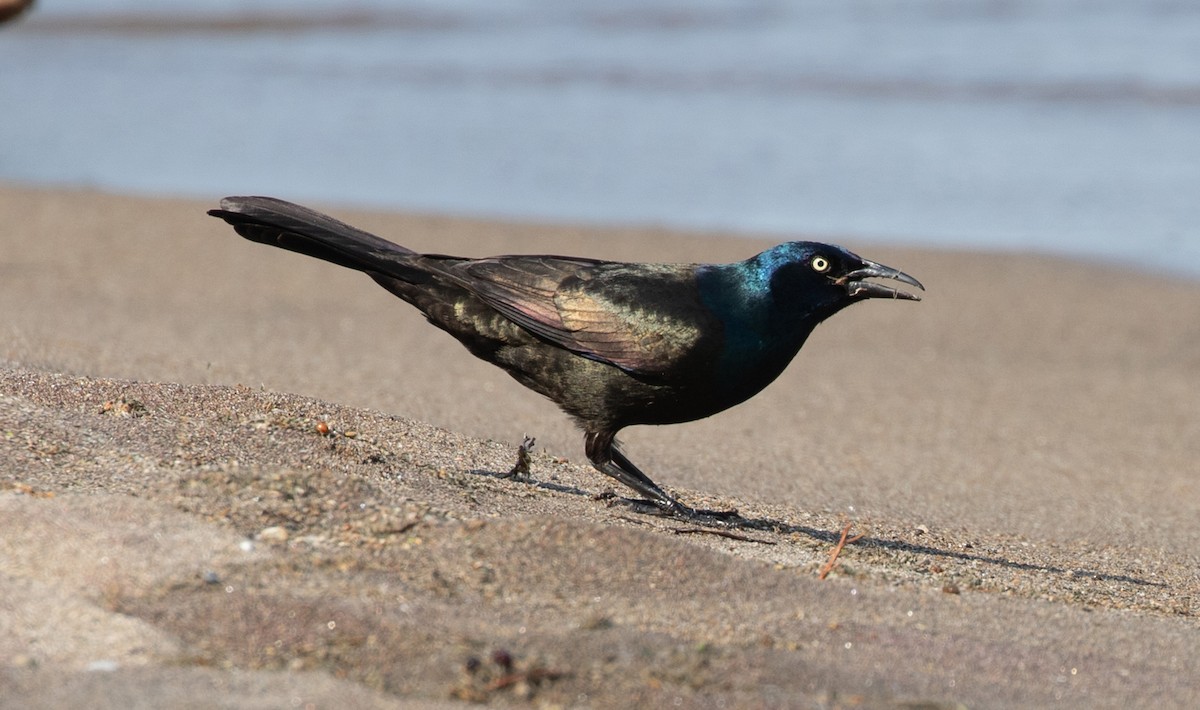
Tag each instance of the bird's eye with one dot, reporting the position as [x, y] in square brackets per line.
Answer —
[820, 264]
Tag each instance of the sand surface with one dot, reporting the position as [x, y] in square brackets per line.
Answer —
[1019, 452]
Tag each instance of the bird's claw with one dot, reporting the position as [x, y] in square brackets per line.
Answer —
[679, 511]
[704, 516]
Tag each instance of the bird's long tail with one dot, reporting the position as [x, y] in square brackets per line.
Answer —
[289, 226]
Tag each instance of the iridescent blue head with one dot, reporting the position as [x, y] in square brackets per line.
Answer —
[800, 281]
[825, 275]
[770, 303]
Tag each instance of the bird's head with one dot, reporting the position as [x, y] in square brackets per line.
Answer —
[828, 276]
[770, 303]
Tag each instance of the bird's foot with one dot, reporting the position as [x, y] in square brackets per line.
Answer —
[679, 511]
[705, 516]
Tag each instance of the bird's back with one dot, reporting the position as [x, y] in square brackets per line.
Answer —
[609, 341]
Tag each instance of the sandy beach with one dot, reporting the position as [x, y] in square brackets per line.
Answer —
[232, 476]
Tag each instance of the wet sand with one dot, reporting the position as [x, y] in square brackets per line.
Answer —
[1018, 452]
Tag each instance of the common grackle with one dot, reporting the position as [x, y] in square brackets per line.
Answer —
[613, 344]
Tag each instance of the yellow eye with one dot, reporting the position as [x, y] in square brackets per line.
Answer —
[820, 264]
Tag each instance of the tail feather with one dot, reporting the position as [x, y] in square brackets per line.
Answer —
[289, 226]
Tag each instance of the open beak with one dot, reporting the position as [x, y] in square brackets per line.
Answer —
[857, 285]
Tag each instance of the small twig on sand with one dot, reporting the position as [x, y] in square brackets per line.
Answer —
[837, 550]
[722, 533]
[697, 531]
[520, 469]
[533, 676]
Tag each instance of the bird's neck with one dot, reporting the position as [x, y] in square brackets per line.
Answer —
[761, 333]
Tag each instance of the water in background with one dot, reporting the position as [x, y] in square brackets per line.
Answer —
[1063, 126]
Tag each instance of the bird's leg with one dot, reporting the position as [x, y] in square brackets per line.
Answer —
[606, 458]
[602, 452]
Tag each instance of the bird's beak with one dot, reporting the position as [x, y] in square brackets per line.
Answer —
[856, 285]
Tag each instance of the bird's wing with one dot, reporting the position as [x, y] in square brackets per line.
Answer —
[642, 318]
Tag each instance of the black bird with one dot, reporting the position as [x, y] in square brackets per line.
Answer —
[613, 344]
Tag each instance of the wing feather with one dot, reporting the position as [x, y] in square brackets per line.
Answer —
[641, 318]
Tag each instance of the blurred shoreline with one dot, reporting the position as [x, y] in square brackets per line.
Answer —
[1033, 127]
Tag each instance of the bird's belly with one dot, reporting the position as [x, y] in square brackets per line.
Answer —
[600, 395]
